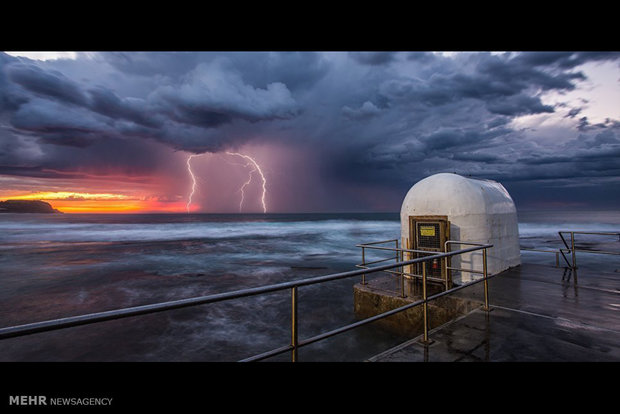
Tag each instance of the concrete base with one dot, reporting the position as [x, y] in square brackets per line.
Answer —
[383, 294]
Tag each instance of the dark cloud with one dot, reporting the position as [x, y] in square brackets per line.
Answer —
[222, 95]
[209, 95]
[50, 84]
[587, 156]
[573, 112]
[518, 75]
[477, 157]
[561, 59]
[294, 69]
[498, 121]
[448, 138]
[367, 110]
[297, 70]
[48, 119]
[11, 97]
[373, 58]
[506, 86]
[35, 171]
[518, 105]
[108, 103]
[148, 64]
[421, 57]
[384, 118]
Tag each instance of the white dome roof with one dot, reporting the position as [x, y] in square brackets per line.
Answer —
[454, 195]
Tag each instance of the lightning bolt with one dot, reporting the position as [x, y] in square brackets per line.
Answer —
[255, 167]
[189, 169]
[243, 187]
[260, 172]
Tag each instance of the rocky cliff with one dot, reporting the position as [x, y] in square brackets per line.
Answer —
[26, 206]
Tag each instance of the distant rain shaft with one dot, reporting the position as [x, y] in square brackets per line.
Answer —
[255, 168]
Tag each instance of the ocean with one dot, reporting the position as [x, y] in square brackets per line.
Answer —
[54, 266]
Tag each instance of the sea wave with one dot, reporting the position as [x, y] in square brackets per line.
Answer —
[329, 233]
[551, 229]
[88, 232]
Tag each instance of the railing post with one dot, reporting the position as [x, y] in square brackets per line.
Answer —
[445, 262]
[402, 270]
[572, 249]
[396, 243]
[294, 335]
[425, 305]
[409, 257]
[363, 264]
[399, 257]
[486, 282]
[557, 259]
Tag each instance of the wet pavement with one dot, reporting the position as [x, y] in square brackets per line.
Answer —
[539, 314]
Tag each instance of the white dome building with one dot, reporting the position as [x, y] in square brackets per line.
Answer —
[478, 211]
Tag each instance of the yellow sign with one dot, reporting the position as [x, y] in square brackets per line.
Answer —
[427, 231]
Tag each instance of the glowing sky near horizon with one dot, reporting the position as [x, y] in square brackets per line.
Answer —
[330, 131]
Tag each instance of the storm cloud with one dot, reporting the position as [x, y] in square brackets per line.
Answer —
[377, 119]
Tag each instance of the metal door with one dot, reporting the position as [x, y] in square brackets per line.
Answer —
[429, 233]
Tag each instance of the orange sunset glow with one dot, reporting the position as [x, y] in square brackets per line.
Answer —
[81, 202]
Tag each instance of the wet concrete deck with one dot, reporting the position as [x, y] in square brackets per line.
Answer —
[539, 313]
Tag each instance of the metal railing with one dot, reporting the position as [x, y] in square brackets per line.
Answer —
[295, 342]
[484, 267]
[399, 256]
[402, 274]
[432, 256]
[570, 248]
[557, 253]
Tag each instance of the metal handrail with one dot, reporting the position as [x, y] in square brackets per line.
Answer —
[399, 251]
[371, 245]
[557, 253]
[371, 319]
[362, 265]
[484, 267]
[602, 233]
[56, 324]
[572, 249]
[377, 242]
[402, 273]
